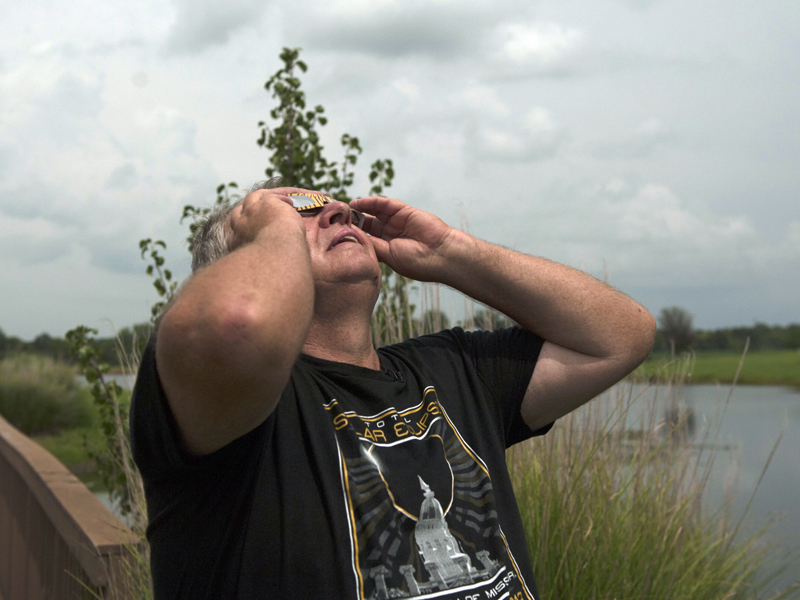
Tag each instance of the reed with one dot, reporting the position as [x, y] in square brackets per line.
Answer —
[134, 577]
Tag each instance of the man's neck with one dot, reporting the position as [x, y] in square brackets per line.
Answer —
[340, 329]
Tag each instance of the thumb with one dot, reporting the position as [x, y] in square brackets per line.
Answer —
[381, 247]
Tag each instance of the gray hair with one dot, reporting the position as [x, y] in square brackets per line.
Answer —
[210, 241]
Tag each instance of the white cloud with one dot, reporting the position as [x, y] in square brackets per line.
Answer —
[655, 213]
[640, 142]
[407, 88]
[483, 98]
[436, 145]
[544, 43]
[538, 120]
[533, 137]
[649, 236]
[68, 181]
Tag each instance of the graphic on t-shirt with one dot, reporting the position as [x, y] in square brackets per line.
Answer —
[421, 508]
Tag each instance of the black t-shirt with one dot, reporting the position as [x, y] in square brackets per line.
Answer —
[361, 484]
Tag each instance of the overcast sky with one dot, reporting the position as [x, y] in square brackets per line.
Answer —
[656, 141]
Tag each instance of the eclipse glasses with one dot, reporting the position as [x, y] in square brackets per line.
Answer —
[312, 204]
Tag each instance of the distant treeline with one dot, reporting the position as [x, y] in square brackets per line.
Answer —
[58, 348]
[762, 337]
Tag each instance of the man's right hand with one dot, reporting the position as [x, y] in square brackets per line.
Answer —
[226, 346]
[259, 209]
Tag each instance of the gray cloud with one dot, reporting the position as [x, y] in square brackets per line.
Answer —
[202, 24]
[68, 110]
[441, 31]
[25, 242]
[115, 250]
[124, 177]
[34, 198]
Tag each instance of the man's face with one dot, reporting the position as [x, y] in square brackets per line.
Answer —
[340, 252]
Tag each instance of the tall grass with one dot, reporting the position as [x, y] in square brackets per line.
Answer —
[41, 395]
[136, 580]
[133, 578]
[612, 501]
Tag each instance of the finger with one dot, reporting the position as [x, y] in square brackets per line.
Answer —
[380, 207]
[381, 249]
[378, 229]
[372, 226]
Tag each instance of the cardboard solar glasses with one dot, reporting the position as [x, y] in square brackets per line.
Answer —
[311, 203]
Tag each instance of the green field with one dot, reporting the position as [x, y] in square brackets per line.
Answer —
[766, 367]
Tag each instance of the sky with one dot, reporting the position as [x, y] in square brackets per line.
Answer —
[654, 143]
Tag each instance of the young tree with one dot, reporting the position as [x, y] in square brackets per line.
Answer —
[297, 154]
[675, 324]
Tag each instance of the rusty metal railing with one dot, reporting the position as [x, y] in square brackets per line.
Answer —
[57, 540]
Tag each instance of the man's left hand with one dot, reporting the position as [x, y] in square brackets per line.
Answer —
[411, 241]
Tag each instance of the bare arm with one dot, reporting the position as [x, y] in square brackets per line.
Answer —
[595, 334]
[227, 345]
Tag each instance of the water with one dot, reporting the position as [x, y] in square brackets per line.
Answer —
[754, 419]
[124, 381]
[747, 433]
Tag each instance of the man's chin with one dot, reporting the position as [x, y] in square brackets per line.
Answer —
[353, 272]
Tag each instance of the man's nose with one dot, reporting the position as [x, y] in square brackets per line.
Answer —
[335, 213]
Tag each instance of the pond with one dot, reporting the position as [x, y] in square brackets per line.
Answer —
[751, 425]
[744, 431]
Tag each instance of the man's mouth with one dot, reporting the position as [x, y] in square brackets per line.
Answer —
[346, 238]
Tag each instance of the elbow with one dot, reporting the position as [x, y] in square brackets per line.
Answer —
[642, 337]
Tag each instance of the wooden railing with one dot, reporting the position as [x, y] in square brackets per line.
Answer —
[57, 540]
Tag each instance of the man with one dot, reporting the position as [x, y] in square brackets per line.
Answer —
[284, 457]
